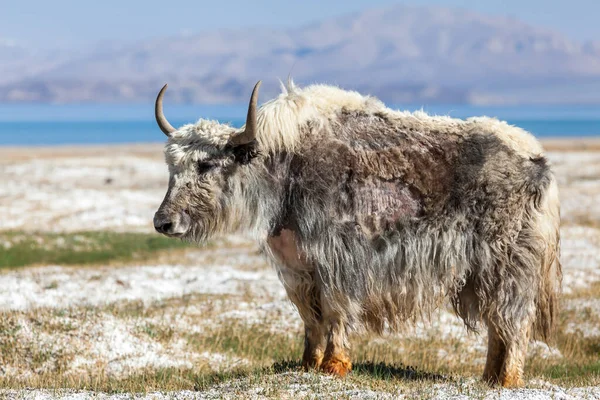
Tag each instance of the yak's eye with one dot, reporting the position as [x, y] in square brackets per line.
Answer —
[204, 167]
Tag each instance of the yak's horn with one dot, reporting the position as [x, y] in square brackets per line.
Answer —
[162, 122]
[249, 134]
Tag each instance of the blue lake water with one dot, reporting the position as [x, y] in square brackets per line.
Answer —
[95, 124]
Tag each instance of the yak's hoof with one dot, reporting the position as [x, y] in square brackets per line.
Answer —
[512, 381]
[337, 365]
[313, 361]
[507, 381]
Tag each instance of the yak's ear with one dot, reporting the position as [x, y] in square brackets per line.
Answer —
[244, 153]
[249, 133]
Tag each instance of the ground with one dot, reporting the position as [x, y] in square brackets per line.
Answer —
[94, 304]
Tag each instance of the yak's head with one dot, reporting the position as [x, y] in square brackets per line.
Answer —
[206, 161]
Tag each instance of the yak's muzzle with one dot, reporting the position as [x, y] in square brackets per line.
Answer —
[175, 225]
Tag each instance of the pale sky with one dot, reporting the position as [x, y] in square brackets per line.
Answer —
[79, 23]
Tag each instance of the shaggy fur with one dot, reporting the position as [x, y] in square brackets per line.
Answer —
[374, 217]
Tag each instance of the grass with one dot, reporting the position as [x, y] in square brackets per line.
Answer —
[255, 343]
[254, 354]
[18, 249]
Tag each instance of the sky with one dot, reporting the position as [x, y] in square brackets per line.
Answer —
[77, 23]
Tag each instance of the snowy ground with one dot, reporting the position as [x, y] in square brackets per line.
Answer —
[81, 189]
[302, 385]
[199, 290]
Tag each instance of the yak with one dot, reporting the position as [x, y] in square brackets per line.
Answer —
[374, 218]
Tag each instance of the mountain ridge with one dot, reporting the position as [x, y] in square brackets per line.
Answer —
[402, 54]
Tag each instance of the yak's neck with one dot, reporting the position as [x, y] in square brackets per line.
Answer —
[257, 197]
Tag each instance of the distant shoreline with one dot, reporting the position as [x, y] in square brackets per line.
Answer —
[27, 152]
[571, 144]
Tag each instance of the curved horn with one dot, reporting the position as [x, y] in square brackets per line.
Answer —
[162, 122]
[249, 133]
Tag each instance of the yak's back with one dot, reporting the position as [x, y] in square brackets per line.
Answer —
[380, 167]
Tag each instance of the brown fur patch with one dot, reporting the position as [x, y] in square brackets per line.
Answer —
[338, 364]
[285, 248]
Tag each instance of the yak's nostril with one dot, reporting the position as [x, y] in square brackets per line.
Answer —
[163, 227]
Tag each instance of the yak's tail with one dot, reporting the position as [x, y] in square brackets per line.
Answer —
[548, 224]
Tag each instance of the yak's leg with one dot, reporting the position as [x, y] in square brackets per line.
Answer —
[336, 360]
[314, 346]
[302, 291]
[299, 282]
[495, 356]
[314, 330]
[506, 357]
[511, 374]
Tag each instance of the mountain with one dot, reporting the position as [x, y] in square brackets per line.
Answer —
[401, 54]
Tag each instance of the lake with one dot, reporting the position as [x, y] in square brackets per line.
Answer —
[43, 124]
